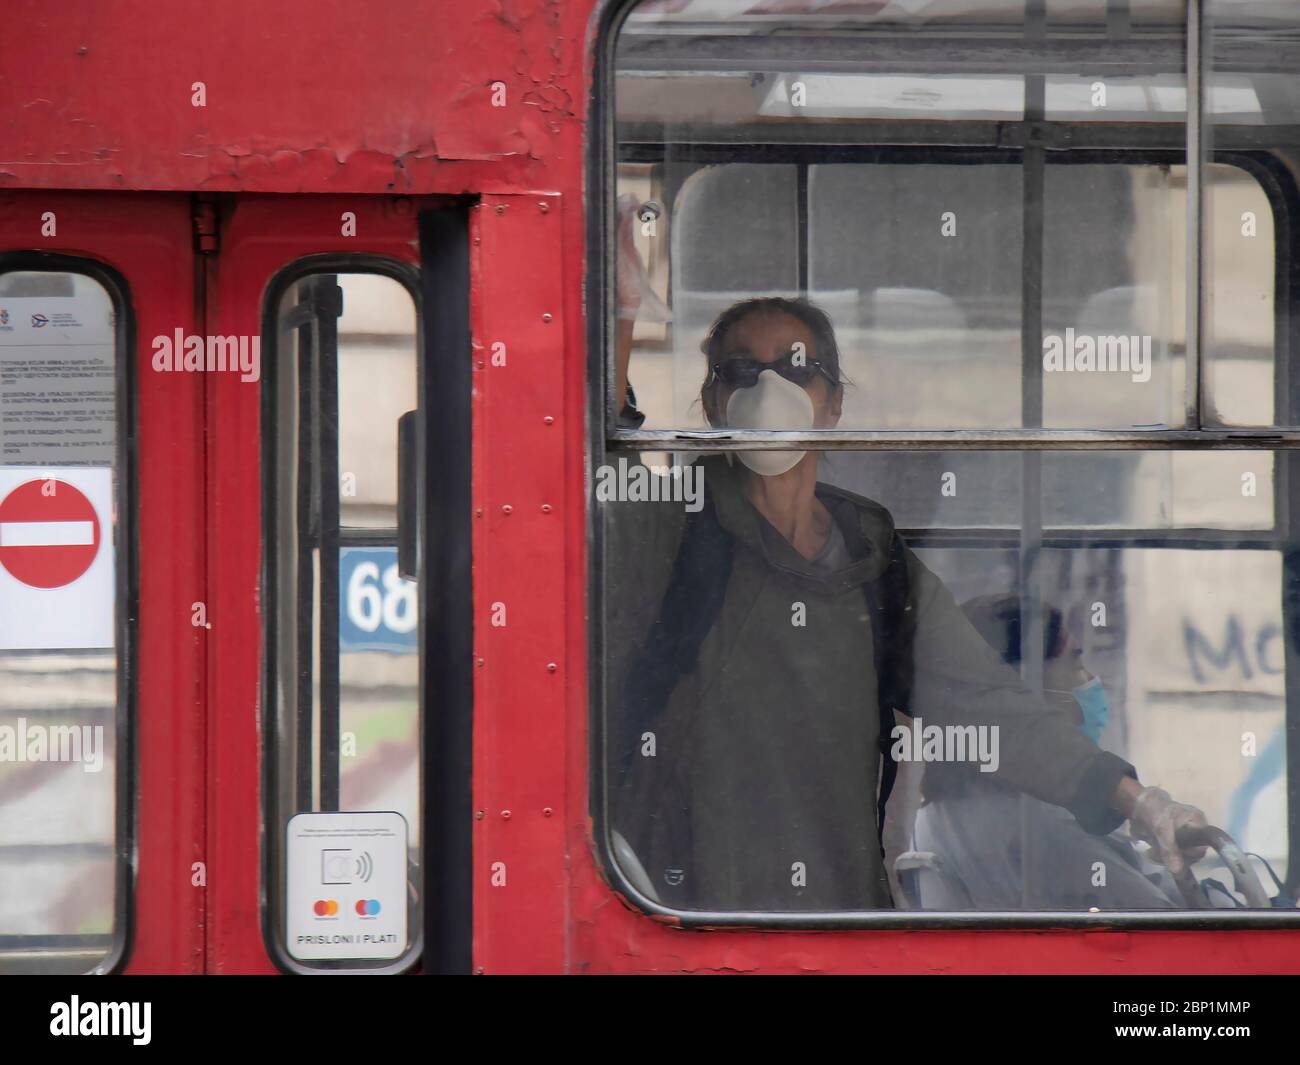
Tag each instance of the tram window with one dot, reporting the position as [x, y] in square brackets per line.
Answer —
[63, 838]
[969, 218]
[1249, 69]
[344, 641]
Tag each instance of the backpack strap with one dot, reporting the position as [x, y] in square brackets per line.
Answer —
[892, 633]
[688, 612]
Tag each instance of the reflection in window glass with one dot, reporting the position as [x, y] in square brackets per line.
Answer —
[816, 180]
[1192, 647]
[59, 542]
[1079, 489]
[346, 638]
[745, 670]
[690, 68]
[1252, 45]
[929, 319]
[376, 345]
[1240, 316]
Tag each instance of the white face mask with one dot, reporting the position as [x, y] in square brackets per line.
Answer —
[773, 403]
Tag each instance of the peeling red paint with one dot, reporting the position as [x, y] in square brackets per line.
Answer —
[105, 102]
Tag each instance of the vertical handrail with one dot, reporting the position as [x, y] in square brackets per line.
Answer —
[1034, 188]
[1195, 211]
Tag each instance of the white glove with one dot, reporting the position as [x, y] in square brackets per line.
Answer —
[1156, 818]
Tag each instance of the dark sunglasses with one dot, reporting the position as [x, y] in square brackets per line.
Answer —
[742, 372]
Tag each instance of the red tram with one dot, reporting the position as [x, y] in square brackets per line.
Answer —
[251, 253]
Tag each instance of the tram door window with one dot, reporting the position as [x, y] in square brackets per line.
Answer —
[342, 499]
[972, 221]
[62, 564]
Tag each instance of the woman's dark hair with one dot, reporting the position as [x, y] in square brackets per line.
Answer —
[825, 348]
[997, 619]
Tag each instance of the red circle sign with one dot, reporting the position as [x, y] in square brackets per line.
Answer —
[49, 533]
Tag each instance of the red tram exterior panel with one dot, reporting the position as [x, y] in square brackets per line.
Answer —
[312, 108]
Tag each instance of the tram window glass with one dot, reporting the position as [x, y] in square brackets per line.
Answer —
[771, 737]
[63, 843]
[345, 641]
[1253, 96]
[926, 312]
[1079, 489]
[928, 200]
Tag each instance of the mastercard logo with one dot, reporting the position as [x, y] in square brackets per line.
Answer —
[325, 908]
[367, 907]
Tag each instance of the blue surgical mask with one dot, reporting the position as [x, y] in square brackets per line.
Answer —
[1092, 700]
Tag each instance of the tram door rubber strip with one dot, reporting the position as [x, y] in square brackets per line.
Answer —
[447, 679]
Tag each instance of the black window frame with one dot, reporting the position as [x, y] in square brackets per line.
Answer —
[272, 843]
[1031, 136]
[127, 613]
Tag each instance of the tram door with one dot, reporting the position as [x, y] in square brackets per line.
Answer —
[319, 488]
[219, 532]
[102, 541]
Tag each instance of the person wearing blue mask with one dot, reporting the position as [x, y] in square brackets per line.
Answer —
[997, 619]
[1003, 850]
[1092, 700]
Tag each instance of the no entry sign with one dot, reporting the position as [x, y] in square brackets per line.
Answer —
[49, 533]
[56, 558]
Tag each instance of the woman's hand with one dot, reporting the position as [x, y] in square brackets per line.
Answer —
[1156, 818]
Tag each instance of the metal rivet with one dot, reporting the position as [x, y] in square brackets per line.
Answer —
[478, 662]
[478, 512]
[551, 667]
[546, 508]
[501, 208]
[479, 365]
[546, 811]
[543, 207]
[478, 970]
[547, 317]
[548, 420]
[505, 815]
[507, 509]
[479, 815]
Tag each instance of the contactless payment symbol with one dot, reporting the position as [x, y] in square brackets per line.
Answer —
[339, 866]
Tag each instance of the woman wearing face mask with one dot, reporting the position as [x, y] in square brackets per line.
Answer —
[1009, 850]
[746, 664]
